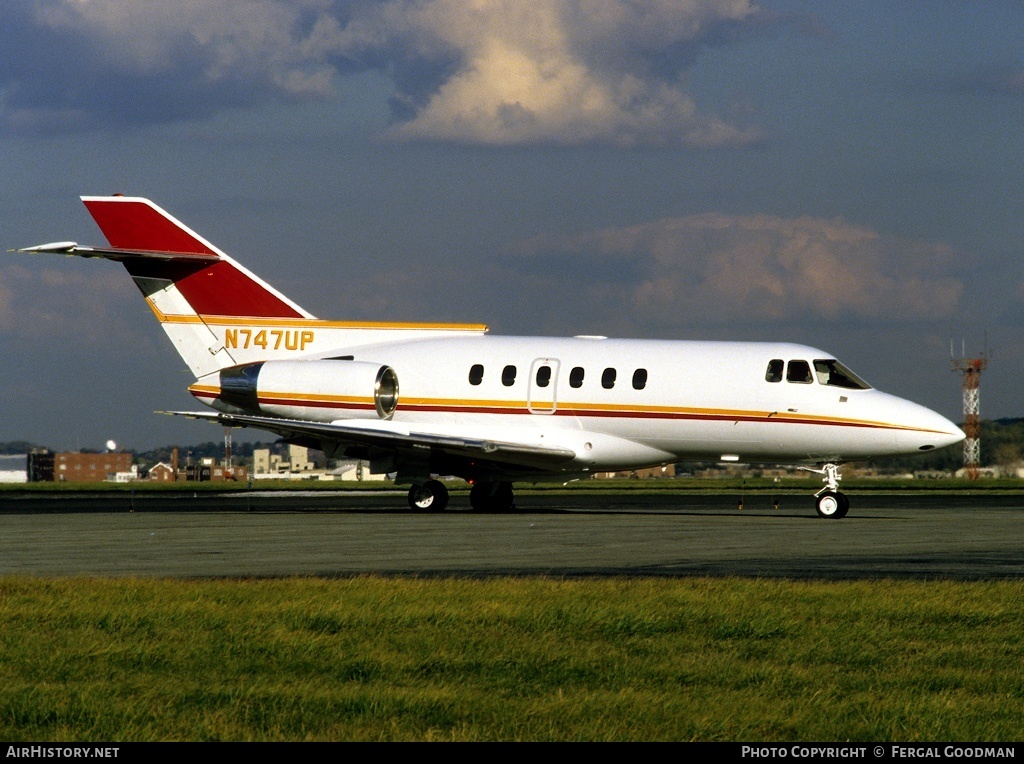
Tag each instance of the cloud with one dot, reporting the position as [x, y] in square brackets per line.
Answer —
[702, 273]
[719, 269]
[480, 71]
[83, 63]
[553, 71]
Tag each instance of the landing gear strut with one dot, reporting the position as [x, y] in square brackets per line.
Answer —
[432, 496]
[830, 503]
[492, 497]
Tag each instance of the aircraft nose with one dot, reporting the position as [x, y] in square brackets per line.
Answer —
[926, 430]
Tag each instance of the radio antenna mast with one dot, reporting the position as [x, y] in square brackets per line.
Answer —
[970, 369]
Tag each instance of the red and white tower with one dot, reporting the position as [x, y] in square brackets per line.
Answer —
[971, 369]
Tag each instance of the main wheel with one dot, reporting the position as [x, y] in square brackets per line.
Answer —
[492, 497]
[432, 496]
[478, 496]
[832, 505]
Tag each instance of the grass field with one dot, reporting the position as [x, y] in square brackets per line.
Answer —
[510, 659]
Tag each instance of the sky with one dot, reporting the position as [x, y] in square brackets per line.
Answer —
[844, 175]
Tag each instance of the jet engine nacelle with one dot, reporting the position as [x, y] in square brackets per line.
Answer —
[313, 390]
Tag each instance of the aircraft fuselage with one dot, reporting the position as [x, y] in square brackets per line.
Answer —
[617, 404]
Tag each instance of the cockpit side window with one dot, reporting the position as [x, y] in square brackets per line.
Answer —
[799, 371]
[774, 373]
[832, 373]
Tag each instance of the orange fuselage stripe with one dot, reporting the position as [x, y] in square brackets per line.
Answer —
[602, 410]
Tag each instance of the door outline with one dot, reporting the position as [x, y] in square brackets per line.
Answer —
[543, 400]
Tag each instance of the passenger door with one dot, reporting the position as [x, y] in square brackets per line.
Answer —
[541, 393]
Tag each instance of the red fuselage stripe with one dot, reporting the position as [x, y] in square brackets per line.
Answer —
[582, 413]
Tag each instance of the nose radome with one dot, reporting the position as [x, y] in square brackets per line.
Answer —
[927, 430]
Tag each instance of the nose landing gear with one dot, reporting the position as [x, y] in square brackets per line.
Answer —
[830, 503]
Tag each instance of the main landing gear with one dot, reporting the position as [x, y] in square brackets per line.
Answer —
[432, 496]
[492, 497]
[830, 503]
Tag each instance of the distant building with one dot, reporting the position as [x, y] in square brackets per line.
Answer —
[162, 472]
[268, 465]
[90, 468]
[126, 477]
[211, 470]
[40, 466]
[207, 470]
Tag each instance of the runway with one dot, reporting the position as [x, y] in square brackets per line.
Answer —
[556, 534]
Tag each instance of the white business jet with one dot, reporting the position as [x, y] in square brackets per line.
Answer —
[423, 400]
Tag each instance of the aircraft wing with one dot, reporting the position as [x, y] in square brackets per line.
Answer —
[421, 445]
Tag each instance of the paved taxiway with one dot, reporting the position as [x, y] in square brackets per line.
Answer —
[563, 534]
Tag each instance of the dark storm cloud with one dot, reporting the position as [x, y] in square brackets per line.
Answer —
[490, 72]
[68, 66]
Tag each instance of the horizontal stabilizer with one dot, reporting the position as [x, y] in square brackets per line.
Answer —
[57, 247]
[113, 253]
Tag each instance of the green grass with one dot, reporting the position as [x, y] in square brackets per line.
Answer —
[510, 659]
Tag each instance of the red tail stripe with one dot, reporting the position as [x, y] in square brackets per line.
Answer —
[221, 290]
[211, 289]
[136, 225]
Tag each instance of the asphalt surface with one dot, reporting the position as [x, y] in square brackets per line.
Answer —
[979, 536]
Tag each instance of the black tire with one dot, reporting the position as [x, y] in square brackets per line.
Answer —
[432, 496]
[832, 505]
[479, 495]
[492, 497]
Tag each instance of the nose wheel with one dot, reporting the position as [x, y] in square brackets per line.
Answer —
[829, 502]
[832, 505]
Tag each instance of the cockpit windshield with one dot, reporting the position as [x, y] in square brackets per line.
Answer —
[830, 372]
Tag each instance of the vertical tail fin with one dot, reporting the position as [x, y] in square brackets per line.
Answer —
[219, 287]
[216, 312]
[188, 283]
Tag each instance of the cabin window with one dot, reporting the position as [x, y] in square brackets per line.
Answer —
[476, 374]
[508, 376]
[543, 376]
[832, 373]
[774, 373]
[799, 371]
[608, 379]
[640, 379]
[576, 377]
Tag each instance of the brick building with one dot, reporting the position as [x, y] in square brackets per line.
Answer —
[90, 468]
